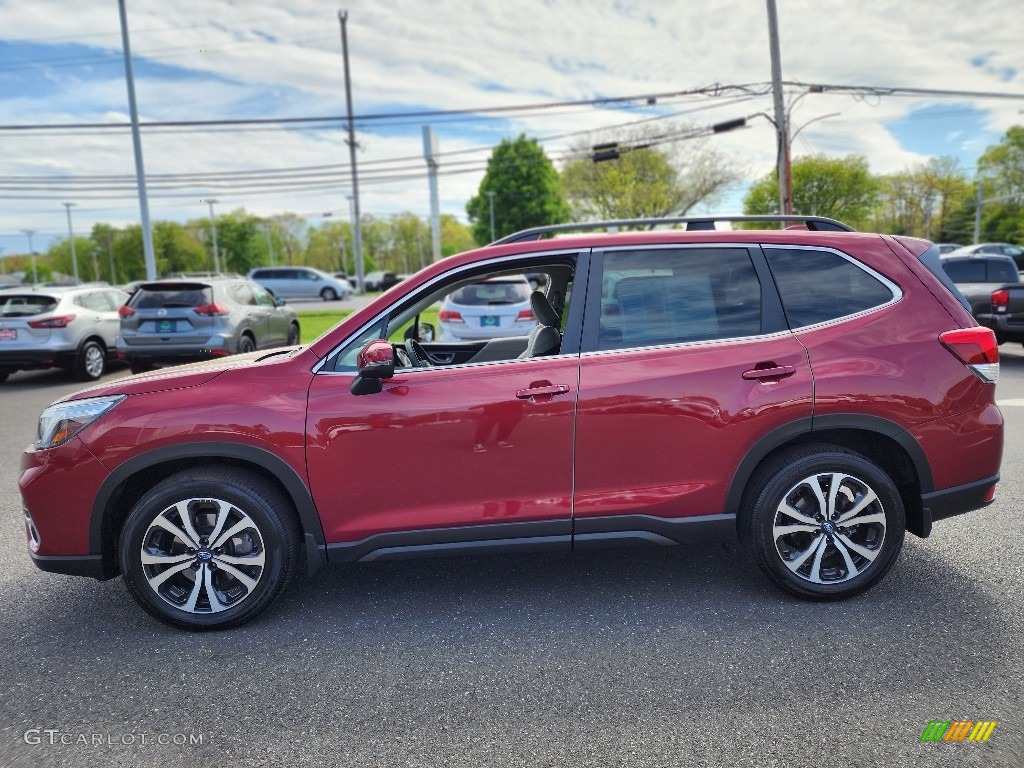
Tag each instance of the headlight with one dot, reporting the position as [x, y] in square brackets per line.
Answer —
[62, 421]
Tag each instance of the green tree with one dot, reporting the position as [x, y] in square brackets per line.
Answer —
[329, 247]
[526, 187]
[839, 188]
[59, 258]
[456, 237]
[648, 182]
[919, 201]
[1001, 170]
[176, 249]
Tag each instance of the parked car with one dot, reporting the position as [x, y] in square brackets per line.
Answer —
[301, 283]
[181, 320]
[492, 308]
[818, 392]
[380, 281]
[948, 247]
[994, 290]
[1006, 249]
[74, 328]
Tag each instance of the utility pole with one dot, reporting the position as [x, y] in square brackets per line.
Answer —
[213, 225]
[3, 267]
[977, 216]
[781, 124]
[430, 155]
[357, 230]
[71, 238]
[140, 171]
[490, 201]
[110, 254]
[270, 247]
[32, 254]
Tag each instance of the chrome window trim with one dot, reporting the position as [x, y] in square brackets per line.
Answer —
[458, 366]
[700, 343]
[895, 290]
[443, 277]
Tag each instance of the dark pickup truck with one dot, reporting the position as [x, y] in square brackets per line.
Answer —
[993, 287]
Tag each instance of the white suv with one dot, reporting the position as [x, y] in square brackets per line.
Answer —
[74, 328]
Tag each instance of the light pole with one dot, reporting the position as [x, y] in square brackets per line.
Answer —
[490, 201]
[270, 247]
[32, 254]
[213, 225]
[71, 237]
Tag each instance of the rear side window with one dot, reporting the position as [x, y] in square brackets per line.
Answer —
[655, 297]
[1002, 272]
[170, 296]
[818, 286]
[972, 271]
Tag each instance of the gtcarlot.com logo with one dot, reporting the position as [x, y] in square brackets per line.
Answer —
[959, 730]
[54, 736]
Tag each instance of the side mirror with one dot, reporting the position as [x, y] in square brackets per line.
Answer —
[375, 362]
[279, 302]
[427, 332]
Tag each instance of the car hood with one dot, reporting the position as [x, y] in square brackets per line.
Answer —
[181, 376]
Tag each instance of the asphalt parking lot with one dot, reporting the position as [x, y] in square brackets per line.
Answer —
[678, 657]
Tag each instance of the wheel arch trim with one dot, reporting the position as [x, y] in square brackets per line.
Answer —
[259, 458]
[810, 427]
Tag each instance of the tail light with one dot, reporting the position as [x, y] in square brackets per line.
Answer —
[58, 321]
[976, 348]
[1000, 300]
[525, 315]
[125, 311]
[450, 316]
[212, 310]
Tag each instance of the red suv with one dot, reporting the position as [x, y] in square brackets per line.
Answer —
[820, 391]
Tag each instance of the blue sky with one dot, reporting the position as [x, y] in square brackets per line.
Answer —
[60, 62]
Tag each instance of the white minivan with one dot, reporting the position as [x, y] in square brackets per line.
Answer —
[301, 283]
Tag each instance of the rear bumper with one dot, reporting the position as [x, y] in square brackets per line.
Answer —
[949, 502]
[1004, 329]
[23, 359]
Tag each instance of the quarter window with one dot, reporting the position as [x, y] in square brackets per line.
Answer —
[654, 297]
[818, 286]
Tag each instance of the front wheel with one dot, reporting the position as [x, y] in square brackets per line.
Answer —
[209, 549]
[823, 522]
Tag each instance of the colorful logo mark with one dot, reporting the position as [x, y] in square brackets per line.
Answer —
[959, 730]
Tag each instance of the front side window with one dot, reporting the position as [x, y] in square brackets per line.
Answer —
[670, 296]
[819, 286]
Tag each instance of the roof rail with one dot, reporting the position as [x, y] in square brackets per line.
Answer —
[814, 223]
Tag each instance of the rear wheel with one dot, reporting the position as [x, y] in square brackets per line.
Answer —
[246, 344]
[3, 376]
[823, 522]
[329, 294]
[293, 334]
[91, 361]
[209, 548]
[139, 367]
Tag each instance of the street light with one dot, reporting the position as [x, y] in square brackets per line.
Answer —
[32, 254]
[490, 201]
[213, 224]
[71, 237]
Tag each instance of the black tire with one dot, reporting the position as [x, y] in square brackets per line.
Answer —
[802, 551]
[3, 376]
[91, 361]
[246, 344]
[293, 334]
[267, 535]
[139, 367]
[329, 294]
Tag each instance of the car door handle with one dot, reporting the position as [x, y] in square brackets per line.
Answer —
[554, 389]
[776, 372]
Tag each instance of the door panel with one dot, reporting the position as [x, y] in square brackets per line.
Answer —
[661, 431]
[443, 447]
